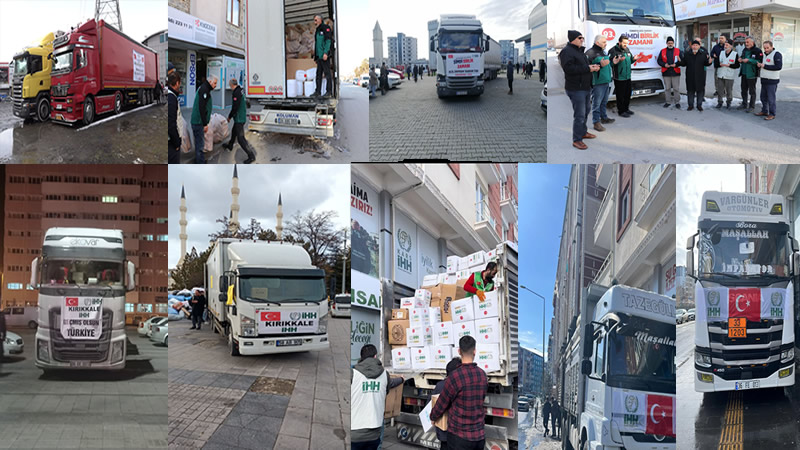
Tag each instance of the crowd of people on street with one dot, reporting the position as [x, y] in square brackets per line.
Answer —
[195, 305]
[551, 412]
[589, 74]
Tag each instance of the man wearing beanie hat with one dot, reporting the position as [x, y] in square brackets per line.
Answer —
[669, 59]
[578, 83]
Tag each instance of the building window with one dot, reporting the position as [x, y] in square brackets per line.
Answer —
[162, 238]
[624, 204]
[161, 308]
[129, 307]
[144, 307]
[161, 220]
[110, 199]
[14, 286]
[147, 237]
[480, 203]
[233, 12]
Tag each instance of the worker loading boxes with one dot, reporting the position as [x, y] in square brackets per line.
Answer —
[434, 259]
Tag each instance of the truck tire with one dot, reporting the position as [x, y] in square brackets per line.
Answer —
[232, 345]
[88, 111]
[43, 109]
[32, 325]
[117, 103]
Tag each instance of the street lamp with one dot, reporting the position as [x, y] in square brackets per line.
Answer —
[544, 303]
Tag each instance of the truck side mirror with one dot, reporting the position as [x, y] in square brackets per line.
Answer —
[223, 297]
[586, 367]
[432, 49]
[486, 47]
[690, 256]
[795, 264]
[35, 273]
[131, 276]
[588, 338]
[223, 283]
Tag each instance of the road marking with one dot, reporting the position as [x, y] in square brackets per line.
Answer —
[115, 116]
[733, 423]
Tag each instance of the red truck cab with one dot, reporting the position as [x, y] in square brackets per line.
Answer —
[97, 69]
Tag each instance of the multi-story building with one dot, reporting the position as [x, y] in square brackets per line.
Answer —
[531, 371]
[619, 228]
[507, 51]
[159, 42]
[780, 179]
[131, 198]
[402, 50]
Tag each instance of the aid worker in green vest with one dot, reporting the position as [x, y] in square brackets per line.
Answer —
[368, 389]
[480, 282]
[239, 116]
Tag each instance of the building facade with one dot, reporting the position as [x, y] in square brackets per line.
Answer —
[531, 371]
[402, 50]
[773, 20]
[131, 198]
[782, 179]
[159, 42]
[507, 51]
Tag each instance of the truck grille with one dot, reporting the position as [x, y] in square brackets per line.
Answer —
[462, 82]
[65, 350]
[60, 90]
[16, 94]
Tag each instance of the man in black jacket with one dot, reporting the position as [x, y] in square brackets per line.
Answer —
[695, 61]
[718, 48]
[239, 115]
[173, 109]
[578, 85]
[198, 303]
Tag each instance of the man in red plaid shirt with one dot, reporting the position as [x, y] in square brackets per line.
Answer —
[463, 395]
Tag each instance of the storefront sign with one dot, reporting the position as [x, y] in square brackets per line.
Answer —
[405, 251]
[365, 328]
[364, 226]
[690, 9]
[191, 29]
[366, 291]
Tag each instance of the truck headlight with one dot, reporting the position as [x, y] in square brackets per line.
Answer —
[117, 352]
[248, 327]
[42, 351]
[787, 355]
[322, 328]
[702, 360]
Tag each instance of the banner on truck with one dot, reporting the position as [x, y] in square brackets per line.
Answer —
[463, 65]
[138, 66]
[643, 41]
[364, 226]
[82, 318]
[639, 412]
[282, 322]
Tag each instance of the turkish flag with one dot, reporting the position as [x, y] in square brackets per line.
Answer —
[270, 316]
[745, 302]
[659, 415]
[72, 301]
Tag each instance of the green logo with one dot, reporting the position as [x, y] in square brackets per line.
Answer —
[370, 386]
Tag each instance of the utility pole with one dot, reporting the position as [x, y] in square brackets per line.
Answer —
[344, 261]
[108, 10]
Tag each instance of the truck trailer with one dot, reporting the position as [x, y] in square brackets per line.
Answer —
[745, 277]
[618, 376]
[82, 277]
[30, 83]
[466, 57]
[266, 297]
[98, 69]
[269, 67]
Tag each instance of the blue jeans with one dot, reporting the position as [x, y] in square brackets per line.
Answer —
[199, 142]
[581, 105]
[768, 105]
[600, 94]
[372, 89]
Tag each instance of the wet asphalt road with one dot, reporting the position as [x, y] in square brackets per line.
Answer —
[768, 418]
[138, 135]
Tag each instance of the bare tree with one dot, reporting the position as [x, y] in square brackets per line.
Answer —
[318, 234]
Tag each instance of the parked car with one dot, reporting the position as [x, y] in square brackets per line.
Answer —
[523, 407]
[681, 316]
[145, 325]
[21, 316]
[394, 79]
[365, 81]
[341, 306]
[691, 314]
[13, 344]
[160, 334]
[398, 72]
[543, 98]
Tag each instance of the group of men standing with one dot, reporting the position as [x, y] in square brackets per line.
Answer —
[589, 73]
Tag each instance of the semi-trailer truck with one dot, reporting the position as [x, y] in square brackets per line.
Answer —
[266, 297]
[647, 25]
[618, 376]
[269, 69]
[30, 85]
[466, 57]
[82, 277]
[746, 267]
[98, 69]
[500, 404]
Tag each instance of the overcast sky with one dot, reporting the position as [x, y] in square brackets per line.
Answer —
[26, 22]
[692, 181]
[208, 197]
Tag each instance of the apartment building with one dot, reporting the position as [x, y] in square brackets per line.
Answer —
[131, 198]
[531, 370]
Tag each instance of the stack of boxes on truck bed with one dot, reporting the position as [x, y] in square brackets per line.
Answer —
[301, 69]
[425, 330]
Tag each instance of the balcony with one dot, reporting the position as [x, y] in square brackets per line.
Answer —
[658, 190]
[489, 173]
[485, 225]
[603, 276]
[508, 205]
[604, 174]
[604, 223]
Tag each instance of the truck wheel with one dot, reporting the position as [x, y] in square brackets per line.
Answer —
[32, 324]
[117, 103]
[232, 345]
[88, 111]
[43, 109]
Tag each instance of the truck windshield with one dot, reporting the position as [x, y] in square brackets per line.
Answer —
[282, 289]
[742, 249]
[63, 62]
[632, 8]
[641, 355]
[58, 272]
[459, 41]
[21, 65]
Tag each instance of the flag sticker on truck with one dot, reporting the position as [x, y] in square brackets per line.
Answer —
[138, 66]
[283, 322]
[81, 318]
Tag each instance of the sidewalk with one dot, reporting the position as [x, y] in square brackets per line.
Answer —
[788, 88]
[532, 437]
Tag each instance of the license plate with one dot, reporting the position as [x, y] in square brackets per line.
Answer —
[79, 363]
[642, 91]
[461, 93]
[289, 342]
[287, 121]
[749, 384]
[59, 106]
[737, 327]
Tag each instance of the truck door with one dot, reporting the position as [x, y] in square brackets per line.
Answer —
[265, 53]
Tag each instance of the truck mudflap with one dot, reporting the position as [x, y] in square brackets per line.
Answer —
[317, 123]
[410, 430]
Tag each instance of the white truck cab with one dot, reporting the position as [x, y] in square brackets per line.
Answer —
[746, 267]
[266, 297]
[82, 277]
